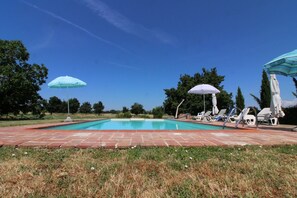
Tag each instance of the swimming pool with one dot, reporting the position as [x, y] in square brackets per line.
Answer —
[136, 124]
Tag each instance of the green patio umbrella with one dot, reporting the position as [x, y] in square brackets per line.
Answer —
[285, 65]
[66, 82]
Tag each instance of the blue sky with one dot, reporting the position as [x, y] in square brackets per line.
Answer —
[129, 51]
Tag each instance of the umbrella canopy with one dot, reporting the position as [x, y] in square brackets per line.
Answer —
[276, 101]
[285, 64]
[215, 109]
[204, 89]
[66, 82]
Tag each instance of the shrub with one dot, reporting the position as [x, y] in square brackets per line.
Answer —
[290, 117]
[124, 115]
[158, 112]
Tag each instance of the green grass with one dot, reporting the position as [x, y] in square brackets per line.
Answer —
[249, 171]
[55, 117]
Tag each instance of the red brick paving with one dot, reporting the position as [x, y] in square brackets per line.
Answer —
[31, 136]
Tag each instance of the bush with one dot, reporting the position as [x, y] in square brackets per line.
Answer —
[124, 115]
[143, 116]
[158, 112]
[290, 117]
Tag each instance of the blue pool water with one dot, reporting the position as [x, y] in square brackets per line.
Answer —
[130, 124]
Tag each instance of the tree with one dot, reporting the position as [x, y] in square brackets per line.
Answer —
[73, 105]
[239, 99]
[265, 95]
[19, 80]
[137, 108]
[194, 103]
[158, 112]
[39, 108]
[85, 108]
[295, 82]
[125, 110]
[64, 107]
[54, 105]
[98, 107]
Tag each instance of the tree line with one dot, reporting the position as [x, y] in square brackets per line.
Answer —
[56, 105]
[20, 83]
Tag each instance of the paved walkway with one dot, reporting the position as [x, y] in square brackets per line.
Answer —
[29, 136]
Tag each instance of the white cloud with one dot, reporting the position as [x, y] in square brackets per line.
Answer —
[123, 23]
[76, 26]
[123, 66]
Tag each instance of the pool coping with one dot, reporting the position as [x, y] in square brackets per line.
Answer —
[33, 136]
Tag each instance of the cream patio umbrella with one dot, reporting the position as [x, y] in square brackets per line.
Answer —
[203, 89]
[276, 101]
[215, 109]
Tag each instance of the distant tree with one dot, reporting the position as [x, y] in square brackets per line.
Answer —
[54, 105]
[39, 108]
[295, 82]
[194, 103]
[73, 105]
[125, 109]
[85, 108]
[158, 112]
[19, 80]
[137, 108]
[98, 107]
[64, 107]
[265, 95]
[113, 111]
[239, 99]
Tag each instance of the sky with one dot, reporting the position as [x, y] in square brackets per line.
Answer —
[130, 51]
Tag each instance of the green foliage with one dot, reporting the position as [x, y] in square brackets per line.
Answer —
[137, 108]
[265, 91]
[265, 95]
[158, 112]
[145, 116]
[64, 107]
[85, 108]
[19, 80]
[54, 105]
[239, 99]
[125, 109]
[39, 108]
[73, 105]
[290, 117]
[124, 115]
[98, 107]
[113, 111]
[194, 103]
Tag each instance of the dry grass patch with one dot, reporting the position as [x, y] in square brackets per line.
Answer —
[249, 171]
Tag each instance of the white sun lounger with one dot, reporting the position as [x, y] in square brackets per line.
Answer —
[265, 116]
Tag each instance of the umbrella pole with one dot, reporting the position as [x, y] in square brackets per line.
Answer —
[68, 119]
[68, 107]
[204, 101]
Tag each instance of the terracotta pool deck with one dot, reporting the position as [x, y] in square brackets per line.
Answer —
[31, 136]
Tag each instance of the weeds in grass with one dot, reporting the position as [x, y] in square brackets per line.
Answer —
[249, 171]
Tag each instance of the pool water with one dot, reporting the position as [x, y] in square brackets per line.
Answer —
[137, 124]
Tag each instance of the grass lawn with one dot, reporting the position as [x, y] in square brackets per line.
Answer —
[249, 171]
[56, 117]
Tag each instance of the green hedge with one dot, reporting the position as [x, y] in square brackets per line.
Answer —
[290, 117]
